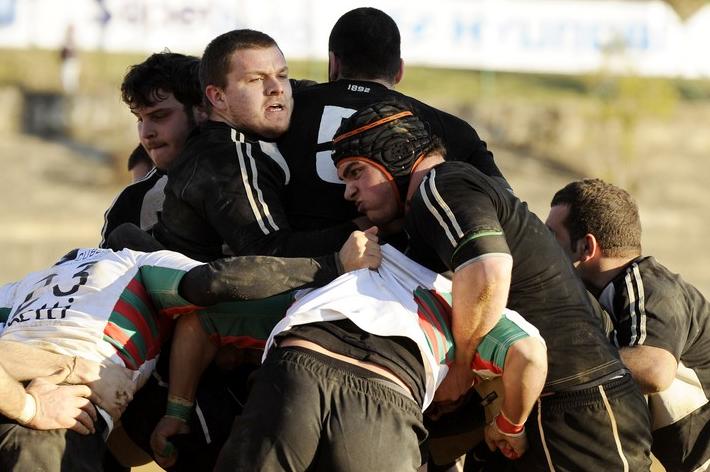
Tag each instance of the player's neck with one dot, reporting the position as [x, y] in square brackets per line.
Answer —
[421, 170]
[606, 269]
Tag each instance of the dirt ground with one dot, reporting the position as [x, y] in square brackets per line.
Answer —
[52, 199]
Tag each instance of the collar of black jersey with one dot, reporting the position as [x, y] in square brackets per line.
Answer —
[346, 83]
[242, 136]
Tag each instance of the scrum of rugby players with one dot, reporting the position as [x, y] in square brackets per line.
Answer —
[252, 308]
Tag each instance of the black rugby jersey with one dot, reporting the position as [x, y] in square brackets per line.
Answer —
[226, 188]
[458, 214]
[651, 306]
[139, 203]
[314, 196]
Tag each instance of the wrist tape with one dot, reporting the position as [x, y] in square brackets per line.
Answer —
[179, 408]
[507, 427]
[29, 410]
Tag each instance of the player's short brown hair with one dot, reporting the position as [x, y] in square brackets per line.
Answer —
[216, 60]
[604, 210]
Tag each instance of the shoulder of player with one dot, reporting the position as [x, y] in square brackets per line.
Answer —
[438, 182]
[671, 285]
[664, 293]
[217, 147]
[132, 195]
[447, 183]
[313, 90]
[430, 114]
[455, 173]
[139, 187]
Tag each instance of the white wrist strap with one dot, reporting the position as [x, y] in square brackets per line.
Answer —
[29, 410]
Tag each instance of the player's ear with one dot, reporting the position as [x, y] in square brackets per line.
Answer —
[333, 67]
[588, 248]
[400, 73]
[216, 97]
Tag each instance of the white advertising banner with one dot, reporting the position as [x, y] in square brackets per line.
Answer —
[560, 36]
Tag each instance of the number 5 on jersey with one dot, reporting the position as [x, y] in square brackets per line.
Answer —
[330, 121]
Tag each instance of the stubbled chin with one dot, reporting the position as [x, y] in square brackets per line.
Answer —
[274, 128]
[162, 158]
[278, 119]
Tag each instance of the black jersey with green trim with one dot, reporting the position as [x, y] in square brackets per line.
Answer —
[459, 215]
[223, 197]
[314, 195]
[139, 203]
[651, 306]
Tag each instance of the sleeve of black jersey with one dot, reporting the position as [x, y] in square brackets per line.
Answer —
[130, 236]
[245, 208]
[653, 319]
[254, 277]
[457, 219]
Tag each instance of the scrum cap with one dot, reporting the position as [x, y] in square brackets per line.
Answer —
[388, 135]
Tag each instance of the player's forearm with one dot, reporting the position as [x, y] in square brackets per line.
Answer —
[254, 277]
[25, 362]
[287, 242]
[314, 243]
[480, 292]
[191, 352]
[524, 376]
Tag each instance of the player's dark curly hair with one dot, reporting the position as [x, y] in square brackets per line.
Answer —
[604, 210]
[367, 43]
[147, 83]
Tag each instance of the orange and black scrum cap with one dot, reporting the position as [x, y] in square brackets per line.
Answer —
[386, 133]
[389, 136]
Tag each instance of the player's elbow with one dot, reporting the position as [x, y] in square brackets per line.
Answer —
[653, 369]
[652, 381]
[529, 353]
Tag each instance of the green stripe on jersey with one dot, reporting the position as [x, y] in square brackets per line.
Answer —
[123, 351]
[131, 331]
[442, 344]
[147, 312]
[468, 239]
[494, 345]
[162, 285]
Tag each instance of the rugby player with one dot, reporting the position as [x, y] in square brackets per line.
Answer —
[590, 416]
[659, 322]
